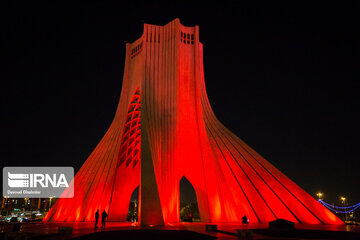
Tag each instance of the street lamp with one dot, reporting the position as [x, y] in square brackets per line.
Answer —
[343, 199]
[4, 200]
[50, 203]
[319, 194]
[25, 203]
[8, 203]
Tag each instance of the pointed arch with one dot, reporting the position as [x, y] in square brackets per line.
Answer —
[133, 212]
[188, 201]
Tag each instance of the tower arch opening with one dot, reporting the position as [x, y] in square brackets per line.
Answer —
[189, 210]
[133, 212]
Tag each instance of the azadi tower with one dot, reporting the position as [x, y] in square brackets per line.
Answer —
[164, 129]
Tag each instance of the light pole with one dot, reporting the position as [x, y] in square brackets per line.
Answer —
[50, 203]
[25, 203]
[319, 194]
[343, 199]
[3, 202]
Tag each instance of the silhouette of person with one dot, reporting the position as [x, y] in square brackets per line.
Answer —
[97, 215]
[103, 218]
[245, 220]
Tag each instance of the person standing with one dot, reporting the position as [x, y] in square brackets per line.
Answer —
[97, 215]
[103, 218]
[245, 220]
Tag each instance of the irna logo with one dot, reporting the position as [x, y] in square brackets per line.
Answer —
[21, 180]
[38, 182]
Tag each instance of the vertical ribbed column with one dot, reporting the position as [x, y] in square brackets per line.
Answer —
[150, 206]
[202, 192]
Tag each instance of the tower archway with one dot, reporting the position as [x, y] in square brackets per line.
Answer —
[133, 212]
[189, 210]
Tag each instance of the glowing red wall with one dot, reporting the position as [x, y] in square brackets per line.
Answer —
[180, 136]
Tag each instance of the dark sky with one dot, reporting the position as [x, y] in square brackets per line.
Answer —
[284, 78]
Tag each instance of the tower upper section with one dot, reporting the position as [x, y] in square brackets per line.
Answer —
[165, 54]
[186, 36]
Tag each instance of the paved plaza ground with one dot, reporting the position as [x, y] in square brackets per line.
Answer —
[117, 230]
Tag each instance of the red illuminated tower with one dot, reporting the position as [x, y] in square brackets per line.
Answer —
[164, 129]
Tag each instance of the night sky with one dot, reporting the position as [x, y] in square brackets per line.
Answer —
[284, 78]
